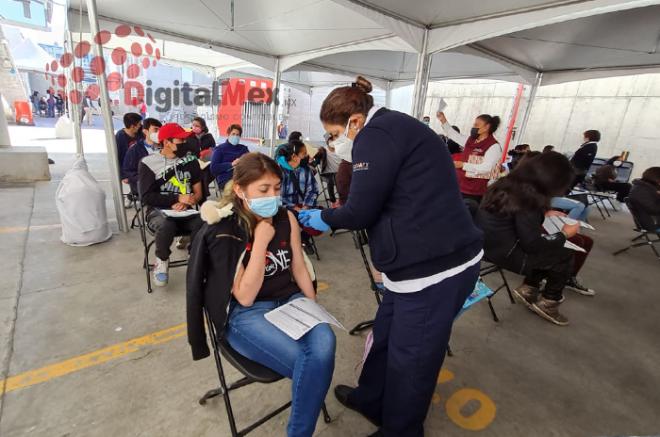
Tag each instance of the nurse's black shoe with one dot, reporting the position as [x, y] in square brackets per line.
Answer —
[342, 393]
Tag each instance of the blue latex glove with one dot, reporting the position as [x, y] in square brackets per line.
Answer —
[311, 218]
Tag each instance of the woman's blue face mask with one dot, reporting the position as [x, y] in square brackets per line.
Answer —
[264, 207]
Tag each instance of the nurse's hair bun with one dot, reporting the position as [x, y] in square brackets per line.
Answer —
[363, 84]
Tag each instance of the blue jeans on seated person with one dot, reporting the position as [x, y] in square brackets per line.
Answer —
[309, 362]
[576, 209]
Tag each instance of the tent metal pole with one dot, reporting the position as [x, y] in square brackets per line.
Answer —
[74, 108]
[5, 139]
[421, 77]
[388, 94]
[528, 107]
[111, 144]
[274, 105]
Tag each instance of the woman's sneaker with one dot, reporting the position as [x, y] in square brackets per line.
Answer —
[526, 294]
[575, 285]
[161, 272]
[549, 310]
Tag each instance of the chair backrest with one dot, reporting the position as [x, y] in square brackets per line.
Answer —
[361, 240]
[624, 171]
[595, 165]
[642, 220]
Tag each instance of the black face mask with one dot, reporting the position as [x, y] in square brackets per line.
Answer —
[181, 150]
[304, 162]
[474, 132]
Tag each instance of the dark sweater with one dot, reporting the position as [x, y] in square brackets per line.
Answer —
[223, 156]
[124, 142]
[509, 238]
[129, 169]
[405, 193]
[584, 157]
[645, 199]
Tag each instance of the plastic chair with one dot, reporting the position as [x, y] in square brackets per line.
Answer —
[490, 269]
[361, 239]
[252, 372]
[146, 231]
[645, 232]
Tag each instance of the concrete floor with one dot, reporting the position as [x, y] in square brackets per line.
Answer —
[520, 377]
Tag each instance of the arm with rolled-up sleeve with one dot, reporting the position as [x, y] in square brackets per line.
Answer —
[376, 162]
[491, 159]
[453, 135]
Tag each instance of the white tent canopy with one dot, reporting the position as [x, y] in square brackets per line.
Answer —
[399, 68]
[28, 56]
[296, 31]
[617, 43]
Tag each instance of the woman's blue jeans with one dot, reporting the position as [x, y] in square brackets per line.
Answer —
[576, 209]
[309, 362]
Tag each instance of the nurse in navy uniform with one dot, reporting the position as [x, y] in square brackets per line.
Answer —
[404, 192]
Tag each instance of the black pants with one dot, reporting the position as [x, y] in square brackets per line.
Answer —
[411, 333]
[555, 266]
[167, 228]
[474, 197]
[622, 189]
[330, 184]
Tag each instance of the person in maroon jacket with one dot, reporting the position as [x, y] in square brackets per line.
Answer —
[479, 161]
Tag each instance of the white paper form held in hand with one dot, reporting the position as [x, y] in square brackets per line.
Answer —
[554, 224]
[442, 105]
[179, 214]
[299, 316]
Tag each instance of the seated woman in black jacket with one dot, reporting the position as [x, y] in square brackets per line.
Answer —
[512, 215]
[250, 241]
[645, 199]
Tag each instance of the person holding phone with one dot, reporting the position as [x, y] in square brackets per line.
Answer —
[479, 161]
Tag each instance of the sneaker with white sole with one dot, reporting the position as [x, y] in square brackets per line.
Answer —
[575, 285]
[526, 294]
[182, 242]
[161, 272]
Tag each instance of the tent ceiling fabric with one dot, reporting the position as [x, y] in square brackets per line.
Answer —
[399, 67]
[618, 41]
[314, 32]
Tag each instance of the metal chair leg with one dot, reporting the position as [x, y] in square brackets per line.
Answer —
[506, 284]
[362, 326]
[326, 415]
[492, 310]
[210, 395]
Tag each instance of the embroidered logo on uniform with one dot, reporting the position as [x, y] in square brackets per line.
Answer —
[360, 166]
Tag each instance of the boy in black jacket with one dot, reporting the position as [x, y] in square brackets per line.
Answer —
[169, 180]
[129, 169]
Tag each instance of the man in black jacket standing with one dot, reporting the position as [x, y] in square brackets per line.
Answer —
[585, 155]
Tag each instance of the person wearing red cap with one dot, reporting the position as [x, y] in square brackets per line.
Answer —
[169, 180]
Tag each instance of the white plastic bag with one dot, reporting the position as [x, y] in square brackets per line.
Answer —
[64, 127]
[81, 204]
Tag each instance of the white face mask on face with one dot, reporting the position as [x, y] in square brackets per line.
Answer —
[343, 145]
[153, 136]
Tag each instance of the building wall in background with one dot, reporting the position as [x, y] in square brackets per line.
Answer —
[624, 109]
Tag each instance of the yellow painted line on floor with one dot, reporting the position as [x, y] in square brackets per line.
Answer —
[15, 229]
[94, 358]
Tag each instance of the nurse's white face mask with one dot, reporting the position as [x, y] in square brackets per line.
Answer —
[343, 145]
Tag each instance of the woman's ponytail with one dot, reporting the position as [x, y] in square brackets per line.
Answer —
[492, 120]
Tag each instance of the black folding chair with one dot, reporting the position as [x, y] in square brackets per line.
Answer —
[491, 268]
[361, 239]
[147, 243]
[324, 185]
[646, 229]
[252, 372]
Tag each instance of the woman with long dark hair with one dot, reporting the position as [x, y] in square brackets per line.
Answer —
[512, 215]
[404, 192]
[249, 256]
